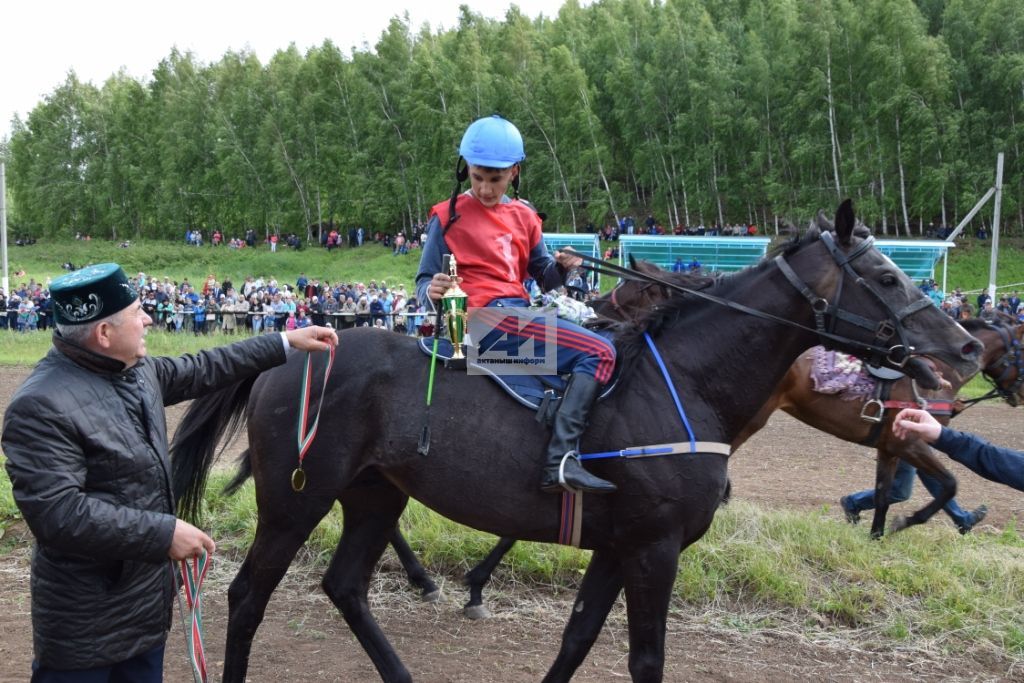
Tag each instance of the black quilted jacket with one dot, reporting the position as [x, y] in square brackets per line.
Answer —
[86, 447]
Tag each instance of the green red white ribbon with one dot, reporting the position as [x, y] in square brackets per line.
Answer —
[192, 576]
[305, 437]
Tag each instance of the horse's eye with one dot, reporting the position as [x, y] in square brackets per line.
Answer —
[888, 280]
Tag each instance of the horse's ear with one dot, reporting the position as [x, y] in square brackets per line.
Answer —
[845, 222]
[632, 262]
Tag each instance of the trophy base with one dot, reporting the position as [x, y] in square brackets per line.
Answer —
[455, 363]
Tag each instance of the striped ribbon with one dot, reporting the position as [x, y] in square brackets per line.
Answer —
[305, 437]
[192, 576]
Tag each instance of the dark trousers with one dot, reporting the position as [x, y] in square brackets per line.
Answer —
[145, 668]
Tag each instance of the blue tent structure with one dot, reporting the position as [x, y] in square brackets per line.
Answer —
[585, 243]
[715, 254]
[917, 258]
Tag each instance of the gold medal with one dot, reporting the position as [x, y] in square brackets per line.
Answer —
[298, 480]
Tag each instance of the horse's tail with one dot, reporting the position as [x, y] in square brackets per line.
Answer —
[208, 421]
[243, 473]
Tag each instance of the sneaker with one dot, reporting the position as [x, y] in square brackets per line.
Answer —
[852, 513]
[976, 516]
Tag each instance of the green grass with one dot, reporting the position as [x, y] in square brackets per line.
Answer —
[370, 262]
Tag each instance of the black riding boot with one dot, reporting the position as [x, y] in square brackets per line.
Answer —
[570, 421]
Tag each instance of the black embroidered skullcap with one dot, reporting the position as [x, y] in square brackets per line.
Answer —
[91, 294]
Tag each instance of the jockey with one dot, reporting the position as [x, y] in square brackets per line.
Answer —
[498, 243]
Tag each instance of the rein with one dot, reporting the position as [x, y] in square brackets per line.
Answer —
[893, 356]
[192, 577]
[1011, 359]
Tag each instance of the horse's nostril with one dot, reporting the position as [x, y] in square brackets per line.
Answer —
[972, 350]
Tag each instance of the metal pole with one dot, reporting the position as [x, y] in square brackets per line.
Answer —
[995, 229]
[3, 224]
[970, 215]
[945, 271]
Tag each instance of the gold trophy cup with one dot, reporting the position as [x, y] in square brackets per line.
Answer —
[455, 315]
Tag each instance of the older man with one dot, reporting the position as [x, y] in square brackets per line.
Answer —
[86, 441]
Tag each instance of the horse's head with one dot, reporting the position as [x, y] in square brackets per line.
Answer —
[1002, 362]
[631, 301]
[864, 304]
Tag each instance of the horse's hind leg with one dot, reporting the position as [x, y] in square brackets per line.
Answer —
[477, 577]
[413, 569]
[921, 456]
[277, 541]
[369, 523]
[598, 591]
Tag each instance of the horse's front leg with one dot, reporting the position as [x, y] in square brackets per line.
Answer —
[885, 469]
[648, 578]
[598, 591]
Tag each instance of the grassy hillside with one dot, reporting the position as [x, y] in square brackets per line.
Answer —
[968, 262]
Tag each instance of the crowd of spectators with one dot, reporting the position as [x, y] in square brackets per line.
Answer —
[262, 304]
[962, 306]
[627, 225]
[329, 235]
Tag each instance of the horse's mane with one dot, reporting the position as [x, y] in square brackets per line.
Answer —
[973, 325]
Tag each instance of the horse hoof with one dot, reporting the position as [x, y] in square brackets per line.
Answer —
[475, 612]
[898, 524]
[432, 596]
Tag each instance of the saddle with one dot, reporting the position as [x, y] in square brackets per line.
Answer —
[838, 373]
[540, 393]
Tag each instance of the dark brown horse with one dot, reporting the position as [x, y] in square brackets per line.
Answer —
[831, 413]
[483, 465]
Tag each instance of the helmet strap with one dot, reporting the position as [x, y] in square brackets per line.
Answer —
[461, 174]
[515, 187]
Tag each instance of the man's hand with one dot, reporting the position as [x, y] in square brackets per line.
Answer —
[914, 422]
[315, 338]
[188, 541]
[568, 259]
[439, 284]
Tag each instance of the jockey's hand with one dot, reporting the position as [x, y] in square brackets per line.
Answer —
[314, 338]
[568, 259]
[439, 284]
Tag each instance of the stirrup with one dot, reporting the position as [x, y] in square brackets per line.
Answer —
[561, 471]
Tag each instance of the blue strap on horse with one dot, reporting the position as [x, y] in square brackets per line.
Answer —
[570, 526]
[691, 446]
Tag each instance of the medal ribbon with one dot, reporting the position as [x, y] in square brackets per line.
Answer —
[305, 437]
[192, 577]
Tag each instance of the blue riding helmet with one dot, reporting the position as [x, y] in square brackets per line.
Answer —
[492, 142]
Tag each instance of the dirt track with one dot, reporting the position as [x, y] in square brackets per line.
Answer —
[787, 465]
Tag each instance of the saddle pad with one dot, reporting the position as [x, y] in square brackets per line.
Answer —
[529, 390]
[833, 372]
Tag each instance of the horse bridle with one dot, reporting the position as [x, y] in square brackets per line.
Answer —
[1010, 360]
[826, 315]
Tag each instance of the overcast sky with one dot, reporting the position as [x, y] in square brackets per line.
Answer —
[42, 40]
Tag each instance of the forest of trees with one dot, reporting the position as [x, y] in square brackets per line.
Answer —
[697, 111]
